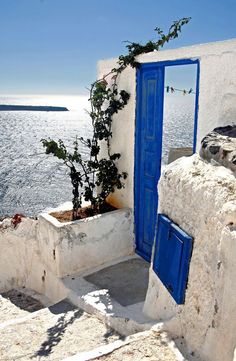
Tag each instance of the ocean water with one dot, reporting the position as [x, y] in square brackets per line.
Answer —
[31, 181]
[178, 123]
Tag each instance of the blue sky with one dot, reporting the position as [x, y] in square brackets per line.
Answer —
[52, 46]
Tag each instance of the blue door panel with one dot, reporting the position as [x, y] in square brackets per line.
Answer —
[148, 156]
[148, 219]
[150, 110]
[175, 249]
[148, 149]
[172, 257]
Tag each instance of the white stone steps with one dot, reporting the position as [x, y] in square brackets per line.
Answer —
[96, 300]
[20, 303]
[52, 333]
[146, 346]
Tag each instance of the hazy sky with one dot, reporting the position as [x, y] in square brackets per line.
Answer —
[52, 46]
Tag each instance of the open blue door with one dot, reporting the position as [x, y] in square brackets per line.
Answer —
[149, 143]
[149, 116]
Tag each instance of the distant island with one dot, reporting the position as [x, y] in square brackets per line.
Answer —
[38, 108]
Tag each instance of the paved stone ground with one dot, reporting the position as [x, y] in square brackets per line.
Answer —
[52, 333]
[126, 290]
[14, 304]
[150, 348]
[62, 330]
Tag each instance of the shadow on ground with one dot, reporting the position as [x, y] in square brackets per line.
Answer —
[23, 301]
[56, 332]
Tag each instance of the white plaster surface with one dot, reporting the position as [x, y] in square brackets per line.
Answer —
[22, 264]
[73, 247]
[96, 300]
[201, 199]
[217, 99]
[37, 253]
[153, 342]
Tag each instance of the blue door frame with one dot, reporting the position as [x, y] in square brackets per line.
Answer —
[148, 148]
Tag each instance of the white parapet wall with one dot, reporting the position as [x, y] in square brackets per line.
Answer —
[17, 247]
[201, 199]
[37, 253]
[22, 263]
[217, 99]
[77, 246]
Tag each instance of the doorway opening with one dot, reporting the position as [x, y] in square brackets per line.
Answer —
[179, 126]
[166, 129]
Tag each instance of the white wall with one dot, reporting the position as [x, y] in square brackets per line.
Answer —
[36, 254]
[22, 263]
[217, 99]
[77, 246]
[201, 199]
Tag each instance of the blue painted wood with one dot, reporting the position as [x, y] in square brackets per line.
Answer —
[172, 256]
[150, 88]
[196, 107]
[148, 148]
[164, 63]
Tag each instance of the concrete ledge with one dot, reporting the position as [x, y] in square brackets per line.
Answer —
[72, 247]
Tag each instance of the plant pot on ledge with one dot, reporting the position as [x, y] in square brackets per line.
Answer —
[95, 175]
[75, 246]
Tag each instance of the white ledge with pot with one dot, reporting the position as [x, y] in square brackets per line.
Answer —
[75, 246]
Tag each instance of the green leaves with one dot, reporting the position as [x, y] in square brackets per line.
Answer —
[115, 156]
[108, 178]
[102, 175]
[57, 149]
[135, 49]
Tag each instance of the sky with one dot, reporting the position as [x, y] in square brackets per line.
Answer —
[52, 46]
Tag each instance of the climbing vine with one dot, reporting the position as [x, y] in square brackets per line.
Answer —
[95, 178]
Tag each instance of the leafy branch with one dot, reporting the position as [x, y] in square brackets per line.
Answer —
[95, 178]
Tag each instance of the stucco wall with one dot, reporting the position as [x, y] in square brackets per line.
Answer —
[36, 254]
[22, 264]
[77, 246]
[201, 199]
[217, 99]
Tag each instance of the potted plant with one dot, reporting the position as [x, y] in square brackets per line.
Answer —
[85, 234]
[91, 234]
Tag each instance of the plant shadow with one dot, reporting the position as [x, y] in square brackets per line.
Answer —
[56, 332]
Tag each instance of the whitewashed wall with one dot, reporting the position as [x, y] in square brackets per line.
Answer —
[38, 253]
[201, 199]
[77, 246]
[22, 263]
[217, 99]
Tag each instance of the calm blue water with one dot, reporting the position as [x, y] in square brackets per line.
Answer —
[30, 181]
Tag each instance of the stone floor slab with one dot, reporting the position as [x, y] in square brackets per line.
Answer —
[126, 281]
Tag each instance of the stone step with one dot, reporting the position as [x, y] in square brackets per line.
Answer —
[115, 293]
[146, 346]
[18, 303]
[52, 333]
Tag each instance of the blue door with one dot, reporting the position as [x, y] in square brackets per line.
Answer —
[148, 145]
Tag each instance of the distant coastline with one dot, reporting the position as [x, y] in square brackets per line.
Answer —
[42, 108]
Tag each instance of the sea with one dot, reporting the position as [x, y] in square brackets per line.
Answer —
[30, 180]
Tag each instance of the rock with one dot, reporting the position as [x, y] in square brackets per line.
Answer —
[220, 146]
[6, 223]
